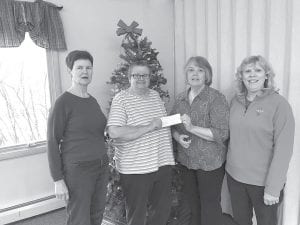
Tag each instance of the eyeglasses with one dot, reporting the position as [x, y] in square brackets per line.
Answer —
[140, 76]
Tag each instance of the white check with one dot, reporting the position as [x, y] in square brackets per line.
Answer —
[171, 120]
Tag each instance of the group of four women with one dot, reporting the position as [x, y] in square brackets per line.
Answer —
[254, 136]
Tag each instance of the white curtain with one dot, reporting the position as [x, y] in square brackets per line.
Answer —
[226, 31]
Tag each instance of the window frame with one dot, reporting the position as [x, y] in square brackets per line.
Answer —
[55, 90]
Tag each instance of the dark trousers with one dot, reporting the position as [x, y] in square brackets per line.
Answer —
[147, 197]
[202, 192]
[245, 197]
[87, 185]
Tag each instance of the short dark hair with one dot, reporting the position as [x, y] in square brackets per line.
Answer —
[77, 54]
[137, 63]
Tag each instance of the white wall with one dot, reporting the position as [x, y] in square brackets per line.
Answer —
[91, 25]
[24, 179]
[26, 186]
[226, 31]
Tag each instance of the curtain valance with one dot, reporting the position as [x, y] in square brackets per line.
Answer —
[40, 19]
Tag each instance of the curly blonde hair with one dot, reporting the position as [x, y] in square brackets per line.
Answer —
[261, 61]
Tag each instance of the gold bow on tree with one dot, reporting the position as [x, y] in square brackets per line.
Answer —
[131, 29]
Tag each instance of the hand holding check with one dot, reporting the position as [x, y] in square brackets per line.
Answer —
[171, 120]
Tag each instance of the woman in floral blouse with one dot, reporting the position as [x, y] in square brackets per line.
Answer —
[201, 142]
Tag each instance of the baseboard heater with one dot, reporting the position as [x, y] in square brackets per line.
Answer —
[29, 209]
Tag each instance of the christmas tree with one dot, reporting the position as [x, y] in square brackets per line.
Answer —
[135, 48]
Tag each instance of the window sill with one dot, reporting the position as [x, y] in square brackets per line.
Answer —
[22, 151]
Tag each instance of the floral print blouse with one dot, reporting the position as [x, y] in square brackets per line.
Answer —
[209, 109]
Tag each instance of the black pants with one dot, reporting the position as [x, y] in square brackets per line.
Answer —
[202, 192]
[87, 184]
[245, 197]
[147, 195]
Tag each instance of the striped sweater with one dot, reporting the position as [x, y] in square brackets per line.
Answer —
[152, 150]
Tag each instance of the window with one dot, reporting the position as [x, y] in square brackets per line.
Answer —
[24, 95]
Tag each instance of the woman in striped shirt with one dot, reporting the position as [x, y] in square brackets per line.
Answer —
[144, 152]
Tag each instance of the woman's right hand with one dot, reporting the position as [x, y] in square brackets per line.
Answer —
[184, 140]
[61, 190]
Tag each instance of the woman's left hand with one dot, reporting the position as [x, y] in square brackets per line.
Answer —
[270, 200]
[186, 120]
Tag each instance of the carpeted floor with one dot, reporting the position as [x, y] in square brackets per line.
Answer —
[57, 217]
